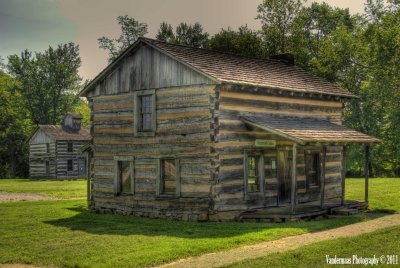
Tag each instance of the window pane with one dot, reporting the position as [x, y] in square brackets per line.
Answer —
[70, 147]
[145, 112]
[124, 173]
[70, 165]
[168, 176]
[313, 162]
[253, 180]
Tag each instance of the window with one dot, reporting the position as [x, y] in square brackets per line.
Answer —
[47, 148]
[312, 166]
[124, 181]
[253, 174]
[70, 165]
[70, 147]
[145, 113]
[47, 167]
[124, 177]
[169, 179]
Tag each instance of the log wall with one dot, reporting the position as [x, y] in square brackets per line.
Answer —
[62, 160]
[233, 137]
[183, 131]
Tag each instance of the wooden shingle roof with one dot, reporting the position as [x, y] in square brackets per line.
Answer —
[57, 132]
[306, 129]
[236, 69]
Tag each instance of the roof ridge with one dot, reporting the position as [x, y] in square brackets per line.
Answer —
[212, 50]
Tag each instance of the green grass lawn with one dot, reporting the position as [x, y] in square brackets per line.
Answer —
[384, 193]
[53, 188]
[384, 196]
[380, 243]
[64, 233]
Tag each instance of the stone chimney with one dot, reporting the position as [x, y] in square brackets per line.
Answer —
[286, 58]
[72, 122]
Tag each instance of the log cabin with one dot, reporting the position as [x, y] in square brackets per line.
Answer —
[193, 134]
[53, 150]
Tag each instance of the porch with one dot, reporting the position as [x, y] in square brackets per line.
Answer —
[303, 211]
[302, 132]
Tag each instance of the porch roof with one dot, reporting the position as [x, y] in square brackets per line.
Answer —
[304, 130]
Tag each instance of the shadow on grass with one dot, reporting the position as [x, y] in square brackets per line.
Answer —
[382, 211]
[107, 224]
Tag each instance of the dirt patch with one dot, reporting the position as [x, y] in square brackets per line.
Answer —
[13, 197]
[288, 243]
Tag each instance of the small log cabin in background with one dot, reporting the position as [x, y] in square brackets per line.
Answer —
[53, 150]
[193, 134]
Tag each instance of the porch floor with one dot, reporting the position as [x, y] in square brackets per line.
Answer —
[302, 211]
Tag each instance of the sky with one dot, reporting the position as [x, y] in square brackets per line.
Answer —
[36, 24]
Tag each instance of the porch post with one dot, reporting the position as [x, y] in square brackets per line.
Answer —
[293, 188]
[366, 171]
[343, 174]
[323, 175]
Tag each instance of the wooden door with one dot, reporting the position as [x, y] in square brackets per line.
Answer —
[284, 175]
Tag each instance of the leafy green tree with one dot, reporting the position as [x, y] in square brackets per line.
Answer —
[277, 18]
[15, 127]
[82, 107]
[49, 81]
[165, 33]
[243, 42]
[131, 30]
[185, 34]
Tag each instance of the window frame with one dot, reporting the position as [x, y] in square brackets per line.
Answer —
[307, 155]
[137, 113]
[70, 147]
[47, 164]
[117, 182]
[159, 181]
[261, 174]
[72, 165]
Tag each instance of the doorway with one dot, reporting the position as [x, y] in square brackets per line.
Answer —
[284, 175]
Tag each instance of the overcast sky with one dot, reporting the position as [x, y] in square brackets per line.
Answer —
[36, 24]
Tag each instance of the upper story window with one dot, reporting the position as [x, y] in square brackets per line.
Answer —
[70, 147]
[145, 103]
[145, 113]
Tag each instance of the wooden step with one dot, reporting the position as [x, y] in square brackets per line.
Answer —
[345, 211]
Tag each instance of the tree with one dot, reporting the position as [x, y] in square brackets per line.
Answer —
[165, 33]
[185, 34]
[15, 127]
[82, 107]
[49, 81]
[244, 42]
[277, 19]
[191, 35]
[131, 30]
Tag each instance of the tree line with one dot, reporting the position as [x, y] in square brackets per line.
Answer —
[358, 52]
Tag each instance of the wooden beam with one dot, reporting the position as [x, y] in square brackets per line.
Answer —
[343, 174]
[293, 188]
[366, 171]
[323, 160]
